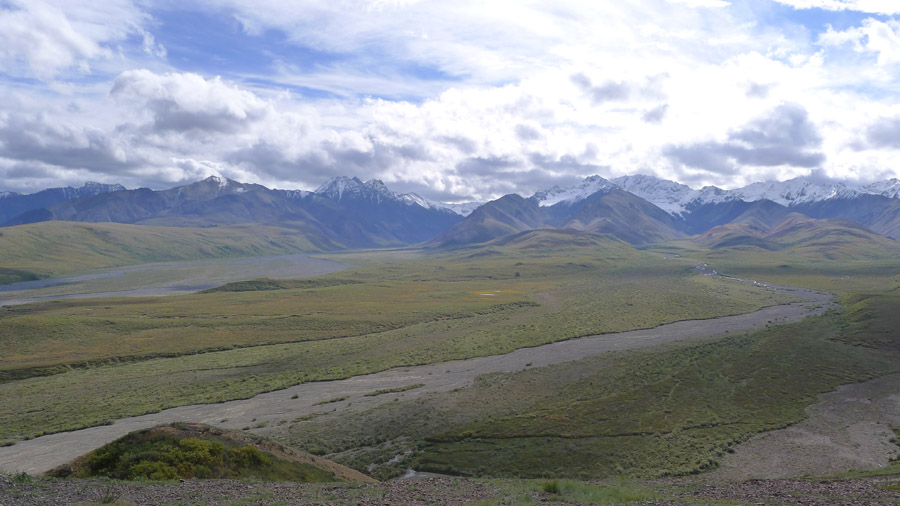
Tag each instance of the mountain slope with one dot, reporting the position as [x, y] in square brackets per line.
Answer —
[619, 214]
[14, 204]
[879, 213]
[608, 211]
[803, 236]
[507, 215]
[54, 248]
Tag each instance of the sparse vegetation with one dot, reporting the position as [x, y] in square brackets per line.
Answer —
[180, 451]
[333, 400]
[394, 390]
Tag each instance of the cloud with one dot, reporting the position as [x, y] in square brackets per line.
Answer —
[38, 139]
[604, 92]
[182, 102]
[656, 114]
[528, 132]
[701, 3]
[616, 91]
[874, 36]
[757, 90]
[463, 99]
[784, 137]
[884, 133]
[888, 7]
[44, 38]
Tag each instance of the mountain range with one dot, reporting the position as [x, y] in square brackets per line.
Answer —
[343, 213]
[350, 213]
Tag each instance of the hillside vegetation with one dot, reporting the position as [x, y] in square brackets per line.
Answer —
[51, 249]
[185, 450]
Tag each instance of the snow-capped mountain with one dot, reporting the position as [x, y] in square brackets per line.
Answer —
[352, 187]
[678, 199]
[342, 187]
[889, 188]
[16, 203]
[796, 191]
[667, 195]
[575, 193]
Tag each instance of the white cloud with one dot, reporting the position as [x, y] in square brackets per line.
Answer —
[183, 102]
[882, 38]
[701, 3]
[540, 94]
[45, 37]
[889, 7]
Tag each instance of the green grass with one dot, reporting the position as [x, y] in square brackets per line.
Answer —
[333, 400]
[404, 388]
[181, 451]
[260, 285]
[110, 358]
[16, 275]
[646, 413]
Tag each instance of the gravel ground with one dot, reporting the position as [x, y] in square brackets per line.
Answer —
[847, 429]
[807, 493]
[222, 492]
[442, 491]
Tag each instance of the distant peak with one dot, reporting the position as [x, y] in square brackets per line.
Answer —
[571, 194]
[219, 180]
[93, 185]
[340, 187]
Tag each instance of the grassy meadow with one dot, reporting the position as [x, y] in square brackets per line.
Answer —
[77, 363]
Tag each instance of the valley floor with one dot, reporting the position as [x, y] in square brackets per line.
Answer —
[267, 413]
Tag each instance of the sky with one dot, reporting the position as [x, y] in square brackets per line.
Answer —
[456, 101]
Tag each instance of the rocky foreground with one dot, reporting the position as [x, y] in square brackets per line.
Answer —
[21, 490]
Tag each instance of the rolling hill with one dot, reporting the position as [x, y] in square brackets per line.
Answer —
[614, 213]
[56, 247]
[190, 450]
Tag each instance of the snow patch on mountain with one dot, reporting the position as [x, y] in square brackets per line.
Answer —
[796, 191]
[678, 199]
[667, 195]
[341, 187]
[463, 208]
[575, 193]
[889, 188]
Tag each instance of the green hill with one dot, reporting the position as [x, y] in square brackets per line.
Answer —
[189, 450]
[50, 249]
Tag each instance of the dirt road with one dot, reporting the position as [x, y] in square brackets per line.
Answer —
[265, 411]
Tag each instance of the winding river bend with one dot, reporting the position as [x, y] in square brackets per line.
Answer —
[46, 452]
